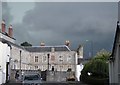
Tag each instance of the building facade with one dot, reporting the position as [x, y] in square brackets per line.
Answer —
[43, 58]
[5, 54]
[52, 58]
[57, 58]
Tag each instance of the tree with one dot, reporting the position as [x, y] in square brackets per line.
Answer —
[97, 67]
[25, 44]
[103, 55]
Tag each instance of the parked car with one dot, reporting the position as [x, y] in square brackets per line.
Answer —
[31, 79]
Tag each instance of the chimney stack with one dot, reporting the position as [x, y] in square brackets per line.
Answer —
[67, 43]
[10, 31]
[3, 26]
[42, 44]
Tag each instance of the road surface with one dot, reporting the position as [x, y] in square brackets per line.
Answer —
[53, 83]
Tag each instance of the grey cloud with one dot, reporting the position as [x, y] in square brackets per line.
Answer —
[56, 22]
[6, 15]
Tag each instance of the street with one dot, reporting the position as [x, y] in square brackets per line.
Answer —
[53, 83]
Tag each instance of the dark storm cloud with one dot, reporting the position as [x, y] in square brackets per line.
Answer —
[54, 23]
[6, 15]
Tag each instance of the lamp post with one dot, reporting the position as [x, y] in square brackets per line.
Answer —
[91, 44]
[48, 61]
[61, 62]
[20, 61]
[61, 67]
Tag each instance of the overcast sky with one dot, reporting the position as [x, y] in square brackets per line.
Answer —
[55, 22]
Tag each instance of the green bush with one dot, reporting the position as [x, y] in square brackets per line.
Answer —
[94, 81]
[97, 68]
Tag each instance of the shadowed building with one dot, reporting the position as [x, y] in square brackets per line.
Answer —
[114, 60]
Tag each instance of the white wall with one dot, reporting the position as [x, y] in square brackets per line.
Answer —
[79, 69]
[1, 62]
[0, 13]
[4, 53]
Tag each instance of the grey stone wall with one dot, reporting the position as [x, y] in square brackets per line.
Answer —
[58, 76]
[61, 62]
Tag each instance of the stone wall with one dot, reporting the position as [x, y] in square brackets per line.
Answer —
[58, 76]
[61, 61]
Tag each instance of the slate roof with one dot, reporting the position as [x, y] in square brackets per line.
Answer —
[38, 48]
[6, 34]
[11, 44]
[47, 48]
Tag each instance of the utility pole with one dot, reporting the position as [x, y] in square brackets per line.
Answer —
[20, 61]
[48, 61]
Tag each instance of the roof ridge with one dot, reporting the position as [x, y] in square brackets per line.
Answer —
[47, 46]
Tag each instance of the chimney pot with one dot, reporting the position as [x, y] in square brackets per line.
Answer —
[67, 43]
[3, 26]
[10, 31]
[42, 44]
